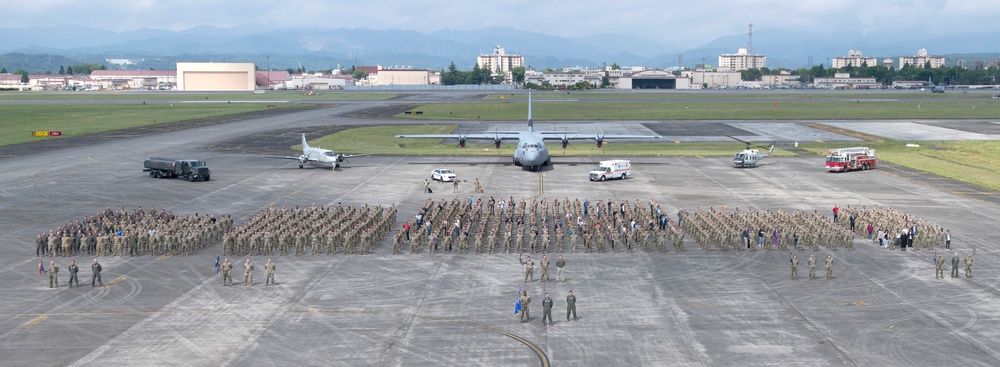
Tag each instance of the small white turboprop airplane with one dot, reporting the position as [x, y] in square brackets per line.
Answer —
[318, 157]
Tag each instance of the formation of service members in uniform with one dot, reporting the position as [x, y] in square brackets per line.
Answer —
[311, 230]
[510, 226]
[752, 229]
[123, 232]
[891, 228]
[491, 226]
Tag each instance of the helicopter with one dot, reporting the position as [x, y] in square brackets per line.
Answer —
[749, 157]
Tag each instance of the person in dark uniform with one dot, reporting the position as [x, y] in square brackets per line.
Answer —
[571, 305]
[954, 266]
[73, 269]
[95, 276]
[547, 309]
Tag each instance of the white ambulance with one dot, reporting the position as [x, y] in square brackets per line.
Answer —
[618, 168]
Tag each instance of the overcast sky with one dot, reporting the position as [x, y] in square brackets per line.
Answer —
[683, 23]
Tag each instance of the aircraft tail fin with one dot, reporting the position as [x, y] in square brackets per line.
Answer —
[770, 150]
[531, 126]
[304, 144]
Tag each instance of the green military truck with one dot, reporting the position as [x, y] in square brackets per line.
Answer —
[189, 169]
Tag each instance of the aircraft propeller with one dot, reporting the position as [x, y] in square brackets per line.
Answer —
[565, 143]
[600, 142]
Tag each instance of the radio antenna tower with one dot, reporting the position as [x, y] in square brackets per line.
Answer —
[750, 39]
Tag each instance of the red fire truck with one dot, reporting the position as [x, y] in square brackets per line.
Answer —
[851, 159]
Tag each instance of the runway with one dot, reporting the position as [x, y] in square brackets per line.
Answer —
[691, 308]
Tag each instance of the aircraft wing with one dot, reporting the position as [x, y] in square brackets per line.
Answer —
[279, 156]
[596, 136]
[355, 155]
[502, 135]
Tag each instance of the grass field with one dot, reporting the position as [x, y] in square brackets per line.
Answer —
[193, 96]
[818, 94]
[19, 120]
[974, 162]
[382, 140]
[712, 110]
[968, 161]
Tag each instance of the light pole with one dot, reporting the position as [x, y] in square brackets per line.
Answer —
[269, 85]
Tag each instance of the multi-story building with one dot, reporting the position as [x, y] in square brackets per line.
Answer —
[783, 78]
[921, 59]
[500, 63]
[854, 59]
[741, 60]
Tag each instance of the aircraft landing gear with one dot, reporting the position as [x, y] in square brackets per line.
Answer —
[300, 165]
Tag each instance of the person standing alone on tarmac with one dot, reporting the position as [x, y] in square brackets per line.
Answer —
[269, 271]
[570, 305]
[248, 273]
[545, 269]
[954, 266]
[95, 276]
[829, 266]
[968, 265]
[812, 266]
[525, 300]
[529, 270]
[795, 268]
[227, 272]
[73, 269]
[547, 309]
[53, 275]
[939, 267]
[560, 264]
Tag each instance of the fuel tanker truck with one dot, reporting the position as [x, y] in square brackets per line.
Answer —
[189, 169]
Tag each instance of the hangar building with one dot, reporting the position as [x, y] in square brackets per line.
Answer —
[216, 76]
[653, 79]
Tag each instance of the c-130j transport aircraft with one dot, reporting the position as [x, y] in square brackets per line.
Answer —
[530, 151]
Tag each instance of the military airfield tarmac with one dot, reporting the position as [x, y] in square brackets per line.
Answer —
[652, 309]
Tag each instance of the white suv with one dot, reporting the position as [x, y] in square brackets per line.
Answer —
[443, 174]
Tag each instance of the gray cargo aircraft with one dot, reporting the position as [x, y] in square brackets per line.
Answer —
[530, 151]
[318, 157]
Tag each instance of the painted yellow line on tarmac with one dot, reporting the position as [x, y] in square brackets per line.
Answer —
[113, 282]
[34, 321]
[541, 187]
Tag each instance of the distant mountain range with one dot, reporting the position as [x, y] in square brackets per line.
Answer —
[38, 49]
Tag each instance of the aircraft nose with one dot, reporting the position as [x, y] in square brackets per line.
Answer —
[531, 158]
